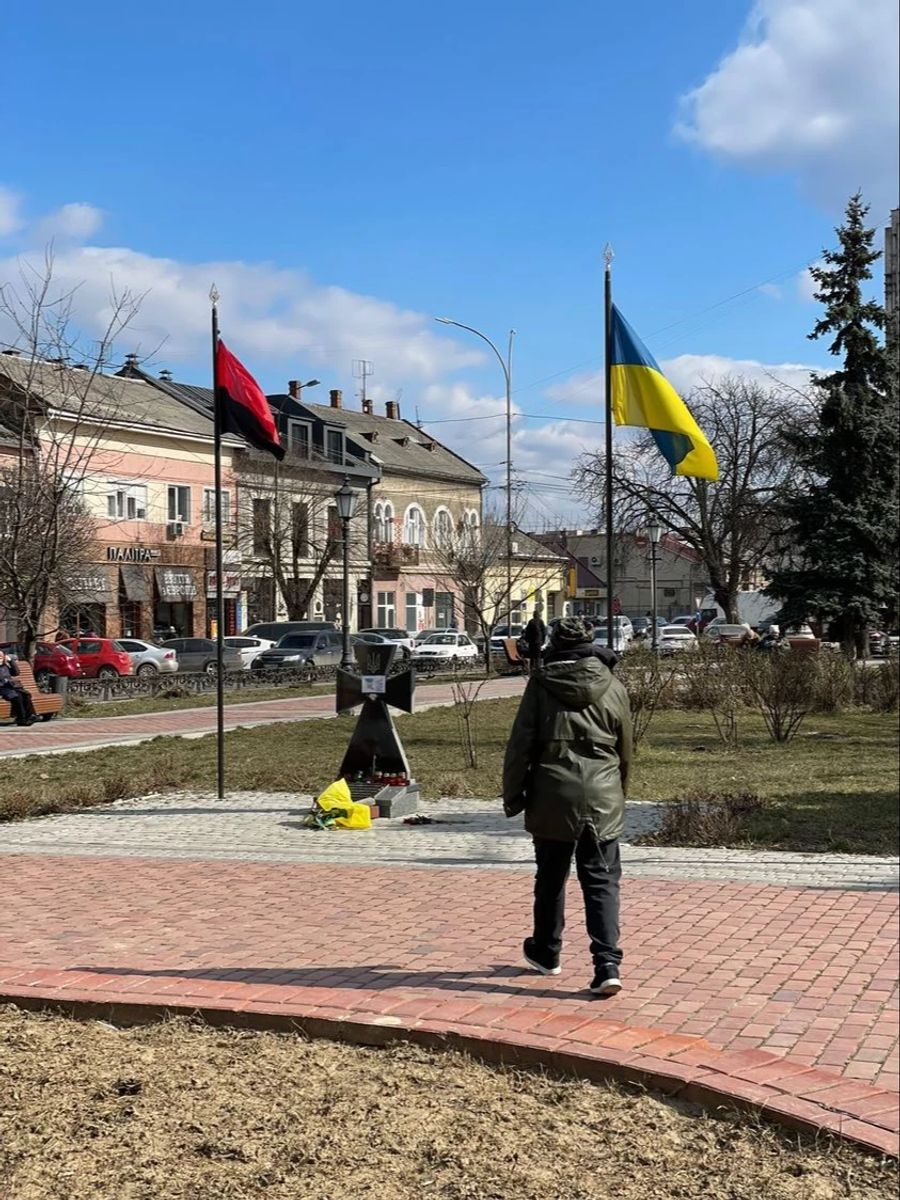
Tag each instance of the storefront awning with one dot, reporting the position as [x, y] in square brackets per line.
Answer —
[176, 584]
[135, 584]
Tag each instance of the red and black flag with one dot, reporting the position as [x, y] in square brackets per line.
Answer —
[243, 409]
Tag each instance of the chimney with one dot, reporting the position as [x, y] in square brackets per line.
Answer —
[166, 375]
[367, 405]
[294, 389]
[337, 398]
[131, 360]
[392, 409]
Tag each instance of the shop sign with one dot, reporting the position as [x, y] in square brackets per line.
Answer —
[231, 584]
[175, 584]
[130, 554]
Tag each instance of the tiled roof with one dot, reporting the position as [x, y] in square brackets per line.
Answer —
[399, 445]
[103, 398]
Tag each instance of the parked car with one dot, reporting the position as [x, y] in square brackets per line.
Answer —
[641, 625]
[881, 644]
[501, 633]
[621, 640]
[295, 650]
[378, 639]
[675, 639]
[249, 648]
[148, 659]
[273, 631]
[684, 619]
[444, 648]
[49, 659]
[200, 654]
[424, 634]
[720, 630]
[400, 636]
[100, 658]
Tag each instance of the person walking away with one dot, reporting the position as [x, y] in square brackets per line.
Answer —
[535, 635]
[566, 766]
[13, 690]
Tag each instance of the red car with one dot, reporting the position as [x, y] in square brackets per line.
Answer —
[49, 659]
[100, 658]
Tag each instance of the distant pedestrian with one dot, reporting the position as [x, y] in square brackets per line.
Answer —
[535, 635]
[566, 767]
[14, 691]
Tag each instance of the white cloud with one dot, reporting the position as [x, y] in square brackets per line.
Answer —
[73, 222]
[277, 314]
[10, 220]
[690, 371]
[811, 89]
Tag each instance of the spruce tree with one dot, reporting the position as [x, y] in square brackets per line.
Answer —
[841, 521]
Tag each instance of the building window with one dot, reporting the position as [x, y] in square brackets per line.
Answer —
[384, 522]
[126, 502]
[412, 612]
[443, 609]
[262, 526]
[414, 526]
[209, 507]
[179, 504]
[470, 530]
[386, 609]
[334, 446]
[298, 438]
[443, 529]
[300, 529]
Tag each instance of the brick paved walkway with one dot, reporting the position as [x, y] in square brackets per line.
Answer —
[89, 733]
[785, 997]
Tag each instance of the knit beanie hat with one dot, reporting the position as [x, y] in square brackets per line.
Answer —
[571, 632]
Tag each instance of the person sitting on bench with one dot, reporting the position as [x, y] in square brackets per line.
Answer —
[13, 691]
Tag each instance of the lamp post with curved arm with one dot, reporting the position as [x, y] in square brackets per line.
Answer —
[506, 366]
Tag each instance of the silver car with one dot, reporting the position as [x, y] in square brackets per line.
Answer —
[199, 654]
[148, 659]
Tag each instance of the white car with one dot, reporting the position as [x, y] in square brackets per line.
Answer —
[147, 659]
[388, 633]
[721, 630]
[675, 639]
[444, 648]
[248, 647]
[623, 634]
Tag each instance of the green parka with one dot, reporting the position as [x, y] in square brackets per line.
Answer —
[569, 753]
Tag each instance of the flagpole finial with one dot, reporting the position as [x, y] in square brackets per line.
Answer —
[214, 294]
[608, 255]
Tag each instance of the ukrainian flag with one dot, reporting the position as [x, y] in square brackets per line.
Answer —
[642, 396]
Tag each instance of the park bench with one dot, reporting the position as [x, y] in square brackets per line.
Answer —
[46, 704]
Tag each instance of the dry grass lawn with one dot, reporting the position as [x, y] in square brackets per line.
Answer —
[178, 1111]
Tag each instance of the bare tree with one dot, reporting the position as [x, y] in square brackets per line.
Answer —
[289, 524]
[55, 406]
[731, 523]
[475, 560]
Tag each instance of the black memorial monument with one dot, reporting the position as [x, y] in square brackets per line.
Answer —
[375, 764]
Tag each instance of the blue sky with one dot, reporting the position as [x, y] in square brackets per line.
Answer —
[346, 172]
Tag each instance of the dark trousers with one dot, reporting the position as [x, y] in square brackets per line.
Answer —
[20, 703]
[599, 869]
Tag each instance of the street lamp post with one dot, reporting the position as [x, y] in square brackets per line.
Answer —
[506, 366]
[344, 498]
[654, 534]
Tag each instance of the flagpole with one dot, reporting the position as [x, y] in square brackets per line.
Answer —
[610, 568]
[220, 594]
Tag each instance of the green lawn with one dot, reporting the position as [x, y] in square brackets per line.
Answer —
[833, 788]
[76, 707]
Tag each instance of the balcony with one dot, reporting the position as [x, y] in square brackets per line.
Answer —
[392, 557]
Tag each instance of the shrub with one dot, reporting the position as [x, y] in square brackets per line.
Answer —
[783, 689]
[647, 683]
[714, 681]
[704, 819]
[835, 683]
[882, 685]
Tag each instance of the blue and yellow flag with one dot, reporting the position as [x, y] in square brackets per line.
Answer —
[642, 396]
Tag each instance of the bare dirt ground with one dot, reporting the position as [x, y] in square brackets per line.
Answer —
[180, 1111]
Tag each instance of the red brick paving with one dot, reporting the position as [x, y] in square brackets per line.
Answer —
[798, 987]
[89, 732]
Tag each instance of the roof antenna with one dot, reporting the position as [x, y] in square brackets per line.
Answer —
[362, 369]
